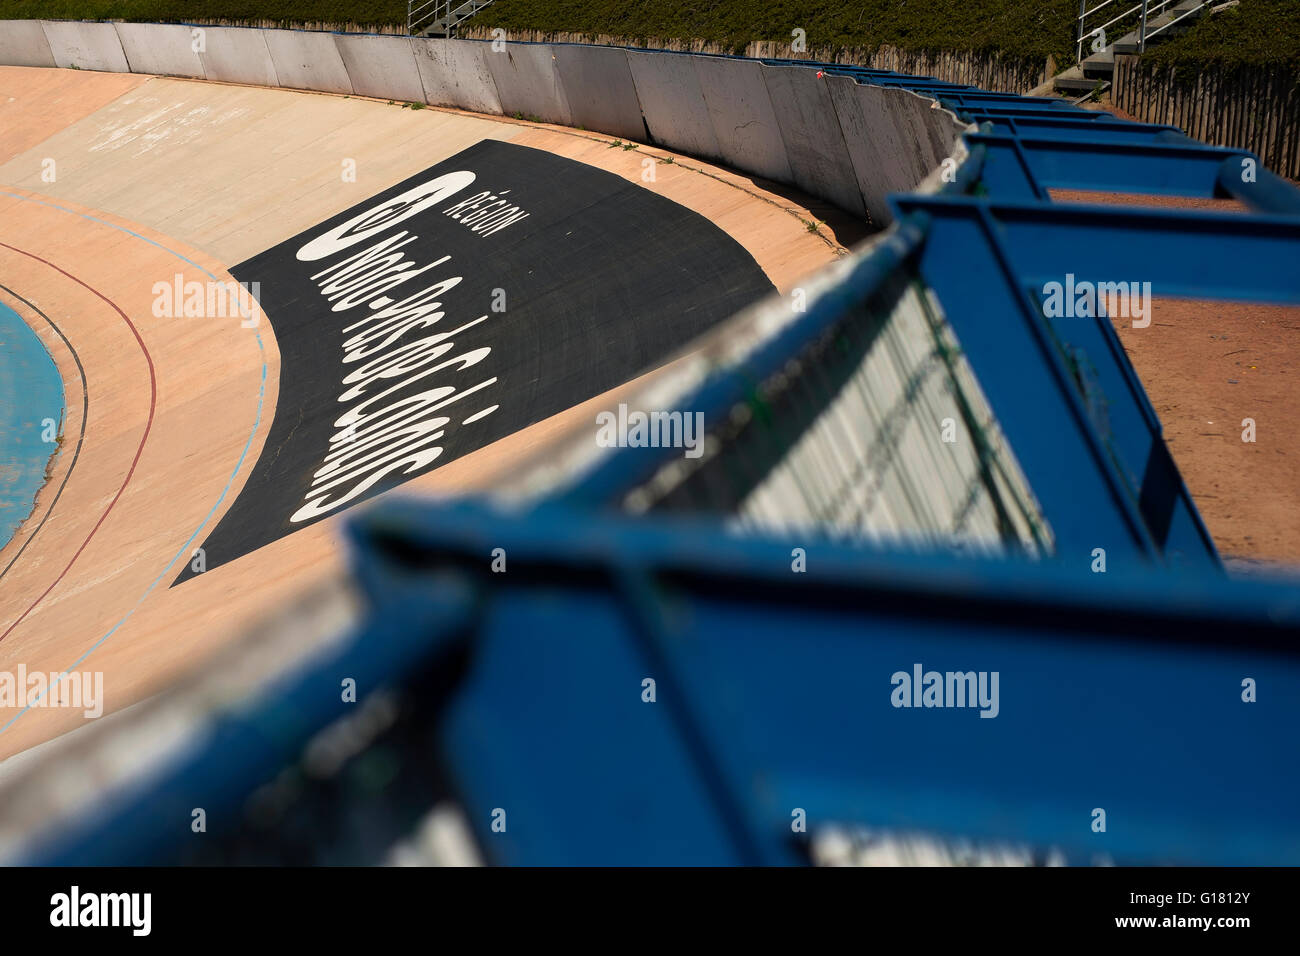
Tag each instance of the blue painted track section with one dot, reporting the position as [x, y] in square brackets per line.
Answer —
[31, 392]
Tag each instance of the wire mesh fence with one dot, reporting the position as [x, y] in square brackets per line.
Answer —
[877, 430]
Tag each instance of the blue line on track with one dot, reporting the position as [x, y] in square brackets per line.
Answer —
[261, 395]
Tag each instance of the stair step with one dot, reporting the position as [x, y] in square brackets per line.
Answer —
[1079, 84]
[1128, 43]
[1099, 65]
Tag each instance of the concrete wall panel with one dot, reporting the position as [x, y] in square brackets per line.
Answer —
[841, 141]
[668, 89]
[164, 49]
[307, 61]
[85, 46]
[455, 73]
[743, 119]
[381, 66]
[598, 86]
[878, 135]
[819, 160]
[933, 130]
[237, 55]
[528, 84]
[23, 43]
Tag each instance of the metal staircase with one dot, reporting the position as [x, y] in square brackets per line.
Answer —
[439, 18]
[1143, 22]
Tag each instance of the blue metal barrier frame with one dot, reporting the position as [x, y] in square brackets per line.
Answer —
[762, 674]
[774, 695]
[1133, 496]
[1071, 128]
[1026, 165]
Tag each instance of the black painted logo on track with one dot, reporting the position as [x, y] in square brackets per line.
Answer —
[489, 292]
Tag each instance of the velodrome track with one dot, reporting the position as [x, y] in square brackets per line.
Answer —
[115, 182]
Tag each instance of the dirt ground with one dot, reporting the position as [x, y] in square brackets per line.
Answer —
[1208, 367]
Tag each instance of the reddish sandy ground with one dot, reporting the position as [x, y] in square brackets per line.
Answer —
[1208, 366]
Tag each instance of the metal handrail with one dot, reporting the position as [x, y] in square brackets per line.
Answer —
[1195, 9]
[444, 12]
[1141, 4]
[1142, 30]
[1083, 15]
[1147, 8]
[414, 21]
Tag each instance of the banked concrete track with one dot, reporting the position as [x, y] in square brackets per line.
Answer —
[204, 484]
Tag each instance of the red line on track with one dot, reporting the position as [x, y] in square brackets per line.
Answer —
[153, 397]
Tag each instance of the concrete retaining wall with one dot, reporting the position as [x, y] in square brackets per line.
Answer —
[23, 43]
[528, 83]
[382, 67]
[916, 110]
[672, 102]
[599, 89]
[815, 147]
[878, 134]
[456, 74]
[85, 46]
[307, 61]
[848, 144]
[237, 55]
[744, 121]
[164, 49]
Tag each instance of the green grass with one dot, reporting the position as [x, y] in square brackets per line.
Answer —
[1022, 29]
[1257, 33]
